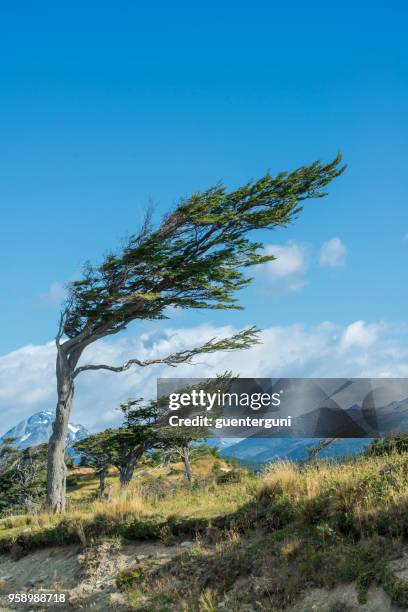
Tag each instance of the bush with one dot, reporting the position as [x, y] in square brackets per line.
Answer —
[229, 477]
[389, 445]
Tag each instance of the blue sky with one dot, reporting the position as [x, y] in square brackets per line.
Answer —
[104, 108]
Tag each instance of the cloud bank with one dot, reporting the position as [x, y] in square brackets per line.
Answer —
[27, 378]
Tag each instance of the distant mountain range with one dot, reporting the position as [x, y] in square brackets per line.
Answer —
[328, 407]
[265, 450]
[37, 429]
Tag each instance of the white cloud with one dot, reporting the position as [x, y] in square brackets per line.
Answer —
[56, 294]
[27, 376]
[286, 272]
[290, 259]
[359, 334]
[333, 253]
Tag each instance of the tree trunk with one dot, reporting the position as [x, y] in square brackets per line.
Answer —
[127, 469]
[102, 477]
[126, 473]
[56, 469]
[187, 464]
[166, 459]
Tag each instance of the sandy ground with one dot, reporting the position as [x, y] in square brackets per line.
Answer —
[344, 598]
[88, 579]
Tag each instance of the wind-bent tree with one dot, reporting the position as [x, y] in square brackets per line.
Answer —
[195, 258]
[182, 448]
[182, 440]
[96, 453]
[128, 443]
[145, 427]
[22, 477]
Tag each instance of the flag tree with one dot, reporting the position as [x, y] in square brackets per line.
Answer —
[95, 452]
[195, 258]
[136, 435]
[182, 440]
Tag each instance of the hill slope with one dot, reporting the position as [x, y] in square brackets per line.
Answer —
[327, 536]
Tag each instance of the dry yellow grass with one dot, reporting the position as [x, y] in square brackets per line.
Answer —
[124, 505]
[153, 492]
[276, 534]
[362, 488]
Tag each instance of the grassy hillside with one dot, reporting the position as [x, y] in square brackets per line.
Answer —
[250, 542]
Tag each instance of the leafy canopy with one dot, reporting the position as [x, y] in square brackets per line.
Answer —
[117, 446]
[197, 256]
[145, 427]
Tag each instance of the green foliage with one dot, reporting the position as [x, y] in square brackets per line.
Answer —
[22, 477]
[139, 420]
[95, 450]
[293, 528]
[227, 477]
[130, 577]
[8, 453]
[183, 437]
[196, 257]
[397, 443]
[117, 447]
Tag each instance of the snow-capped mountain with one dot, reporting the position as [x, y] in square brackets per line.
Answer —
[37, 429]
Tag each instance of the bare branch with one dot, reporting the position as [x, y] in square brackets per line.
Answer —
[243, 339]
[315, 450]
[63, 315]
[123, 367]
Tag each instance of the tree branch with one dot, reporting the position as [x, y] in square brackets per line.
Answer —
[61, 324]
[241, 340]
[315, 450]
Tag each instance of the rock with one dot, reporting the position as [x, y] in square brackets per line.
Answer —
[5, 578]
[187, 544]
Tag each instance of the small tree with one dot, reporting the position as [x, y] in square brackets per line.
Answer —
[195, 258]
[122, 447]
[96, 453]
[8, 454]
[22, 481]
[134, 438]
[394, 443]
[180, 441]
[145, 427]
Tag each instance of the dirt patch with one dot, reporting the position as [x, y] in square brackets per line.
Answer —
[88, 578]
[344, 598]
